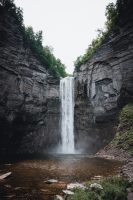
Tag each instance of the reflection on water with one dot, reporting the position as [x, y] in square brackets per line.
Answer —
[28, 176]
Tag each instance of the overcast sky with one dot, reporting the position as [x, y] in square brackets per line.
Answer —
[68, 25]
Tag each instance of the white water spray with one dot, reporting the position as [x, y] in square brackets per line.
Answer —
[67, 114]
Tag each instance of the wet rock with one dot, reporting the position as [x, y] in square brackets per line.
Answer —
[96, 186]
[50, 181]
[17, 188]
[68, 192]
[5, 175]
[75, 185]
[10, 196]
[8, 186]
[58, 197]
[96, 177]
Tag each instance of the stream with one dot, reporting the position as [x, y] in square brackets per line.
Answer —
[27, 181]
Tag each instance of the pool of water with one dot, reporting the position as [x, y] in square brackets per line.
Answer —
[28, 177]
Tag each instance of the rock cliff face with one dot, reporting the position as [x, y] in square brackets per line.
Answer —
[102, 86]
[29, 95]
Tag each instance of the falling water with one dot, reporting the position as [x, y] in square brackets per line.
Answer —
[67, 114]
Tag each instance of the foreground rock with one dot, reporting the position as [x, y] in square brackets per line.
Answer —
[75, 185]
[68, 192]
[5, 175]
[50, 181]
[96, 186]
[58, 197]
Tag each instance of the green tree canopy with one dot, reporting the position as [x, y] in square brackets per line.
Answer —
[112, 13]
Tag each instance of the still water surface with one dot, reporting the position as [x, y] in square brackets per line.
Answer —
[27, 181]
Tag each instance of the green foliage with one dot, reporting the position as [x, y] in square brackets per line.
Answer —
[113, 189]
[84, 195]
[44, 54]
[34, 40]
[126, 115]
[124, 136]
[112, 16]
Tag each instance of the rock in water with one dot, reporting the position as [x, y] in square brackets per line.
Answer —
[51, 181]
[5, 175]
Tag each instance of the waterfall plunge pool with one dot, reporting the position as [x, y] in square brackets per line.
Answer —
[28, 177]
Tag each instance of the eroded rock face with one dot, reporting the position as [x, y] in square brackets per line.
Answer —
[102, 87]
[29, 95]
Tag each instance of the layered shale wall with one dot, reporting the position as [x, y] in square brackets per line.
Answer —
[29, 95]
[103, 86]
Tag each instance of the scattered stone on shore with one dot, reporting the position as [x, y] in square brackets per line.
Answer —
[69, 192]
[96, 186]
[9, 196]
[50, 181]
[3, 176]
[8, 186]
[8, 164]
[96, 177]
[17, 188]
[75, 185]
[58, 197]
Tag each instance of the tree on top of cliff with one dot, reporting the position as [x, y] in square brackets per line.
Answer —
[34, 41]
[114, 13]
[44, 54]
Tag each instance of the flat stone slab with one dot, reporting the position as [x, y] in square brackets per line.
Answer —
[3, 176]
[75, 185]
[69, 192]
[58, 197]
[51, 181]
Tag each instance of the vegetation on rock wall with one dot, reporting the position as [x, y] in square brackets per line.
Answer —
[113, 13]
[124, 135]
[35, 40]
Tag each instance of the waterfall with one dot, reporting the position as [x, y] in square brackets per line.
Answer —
[67, 114]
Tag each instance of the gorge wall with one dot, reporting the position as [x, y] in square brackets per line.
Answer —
[29, 95]
[103, 86]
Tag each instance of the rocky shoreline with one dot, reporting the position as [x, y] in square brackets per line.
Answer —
[121, 155]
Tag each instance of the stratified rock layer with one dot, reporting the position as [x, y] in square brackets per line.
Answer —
[29, 95]
[102, 87]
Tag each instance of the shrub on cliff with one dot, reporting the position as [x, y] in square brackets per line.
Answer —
[34, 40]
